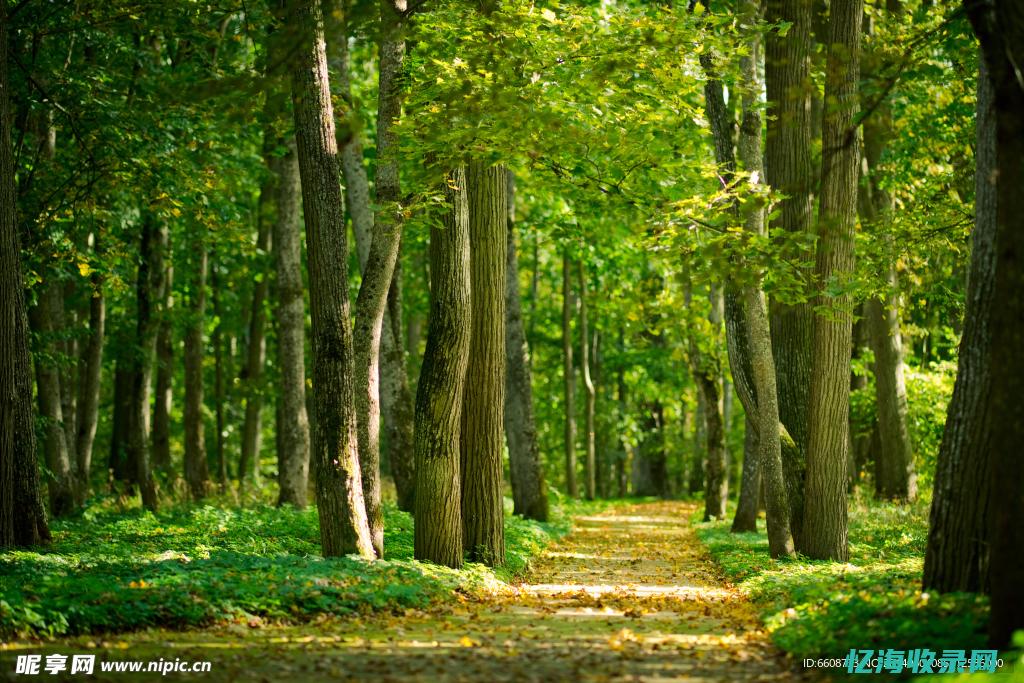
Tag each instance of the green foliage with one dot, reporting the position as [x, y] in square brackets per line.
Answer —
[929, 390]
[114, 571]
[823, 609]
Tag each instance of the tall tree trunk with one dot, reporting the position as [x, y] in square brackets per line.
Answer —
[148, 281]
[484, 402]
[745, 518]
[758, 391]
[859, 442]
[708, 375]
[623, 455]
[292, 418]
[292, 424]
[529, 492]
[396, 396]
[91, 363]
[957, 555]
[697, 449]
[196, 468]
[219, 397]
[999, 26]
[898, 481]
[339, 491]
[382, 387]
[164, 375]
[68, 317]
[22, 515]
[61, 483]
[117, 459]
[440, 391]
[590, 464]
[256, 352]
[825, 512]
[569, 377]
[379, 238]
[788, 170]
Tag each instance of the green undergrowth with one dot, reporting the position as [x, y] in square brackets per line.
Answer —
[817, 609]
[116, 570]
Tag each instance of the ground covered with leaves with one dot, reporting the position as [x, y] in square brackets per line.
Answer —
[631, 594]
[112, 570]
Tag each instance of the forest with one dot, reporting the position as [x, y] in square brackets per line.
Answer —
[526, 340]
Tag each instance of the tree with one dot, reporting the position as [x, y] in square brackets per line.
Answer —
[373, 324]
[483, 409]
[824, 531]
[161, 422]
[760, 399]
[529, 492]
[292, 419]
[22, 515]
[256, 351]
[91, 362]
[396, 399]
[590, 463]
[957, 555]
[196, 468]
[788, 170]
[339, 491]
[999, 26]
[149, 280]
[43, 317]
[898, 480]
[441, 389]
[568, 377]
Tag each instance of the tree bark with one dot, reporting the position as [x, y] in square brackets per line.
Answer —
[61, 483]
[529, 492]
[292, 418]
[788, 170]
[824, 534]
[219, 397]
[339, 491]
[376, 357]
[700, 424]
[745, 518]
[484, 402]
[440, 392]
[292, 424]
[860, 443]
[569, 378]
[898, 480]
[256, 352]
[91, 362]
[117, 460]
[148, 281]
[760, 388]
[196, 469]
[590, 464]
[957, 555]
[999, 26]
[22, 515]
[164, 374]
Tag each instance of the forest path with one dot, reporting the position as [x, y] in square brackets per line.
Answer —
[629, 595]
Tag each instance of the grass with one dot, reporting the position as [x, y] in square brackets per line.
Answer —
[114, 570]
[817, 609]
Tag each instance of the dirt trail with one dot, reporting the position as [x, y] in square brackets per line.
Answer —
[630, 595]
